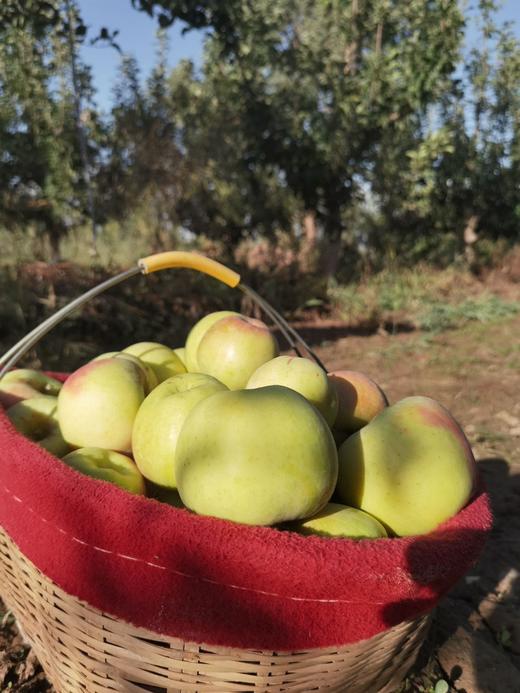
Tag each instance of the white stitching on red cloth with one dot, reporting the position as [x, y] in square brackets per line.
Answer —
[182, 574]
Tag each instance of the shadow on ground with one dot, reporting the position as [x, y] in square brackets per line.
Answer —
[475, 634]
[316, 335]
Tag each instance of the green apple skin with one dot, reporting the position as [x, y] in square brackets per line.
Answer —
[197, 332]
[160, 358]
[98, 403]
[108, 465]
[234, 347]
[23, 383]
[257, 457]
[160, 419]
[180, 353]
[360, 399]
[411, 467]
[12, 393]
[37, 419]
[303, 376]
[336, 520]
[149, 377]
[105, 355]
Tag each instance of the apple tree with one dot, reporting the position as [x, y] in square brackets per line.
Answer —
[438, 182]
[315, 88]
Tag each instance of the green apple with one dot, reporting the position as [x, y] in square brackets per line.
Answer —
[107, 465]
[149, 377]
[106, 355]
[303, 376]
[336, 520]
[98, 403]
[360, 399]
[37, 419]
[180, 353]
[23, 383]
[159, 357]
[234, 347]
[13, 392]
[160, 419]
[259, 456]
[411, 467]
[197, 332]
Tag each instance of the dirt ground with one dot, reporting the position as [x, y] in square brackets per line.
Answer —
[475, 372]
[474, 644]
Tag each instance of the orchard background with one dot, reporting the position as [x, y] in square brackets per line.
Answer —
[357, 161]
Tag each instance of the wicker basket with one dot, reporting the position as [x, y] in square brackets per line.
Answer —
[83, 649]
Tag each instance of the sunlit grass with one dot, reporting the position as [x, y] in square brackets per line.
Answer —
[484, 309]
[423, 298]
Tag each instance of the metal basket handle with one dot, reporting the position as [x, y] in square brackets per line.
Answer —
[147, 265]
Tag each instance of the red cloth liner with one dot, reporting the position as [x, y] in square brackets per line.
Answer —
[211, 581]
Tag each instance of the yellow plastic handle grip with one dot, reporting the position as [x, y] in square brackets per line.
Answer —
[179, 258]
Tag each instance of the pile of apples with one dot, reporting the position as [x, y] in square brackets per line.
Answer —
[227, 427]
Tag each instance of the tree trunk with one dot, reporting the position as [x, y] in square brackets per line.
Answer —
[331, 257]
[331, 243]
[309, 246]
[53, 238]
[352, 50]
[378, 47]
[80, 126]
[470, 237]
[379, 38]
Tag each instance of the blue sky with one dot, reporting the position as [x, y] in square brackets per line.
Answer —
[137, 32]
[137, 36]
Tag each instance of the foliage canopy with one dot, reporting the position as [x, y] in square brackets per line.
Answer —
[366, 128]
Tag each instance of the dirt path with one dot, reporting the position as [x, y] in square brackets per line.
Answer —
[475, 372]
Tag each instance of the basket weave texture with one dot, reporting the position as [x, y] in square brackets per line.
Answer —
[83, 649]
